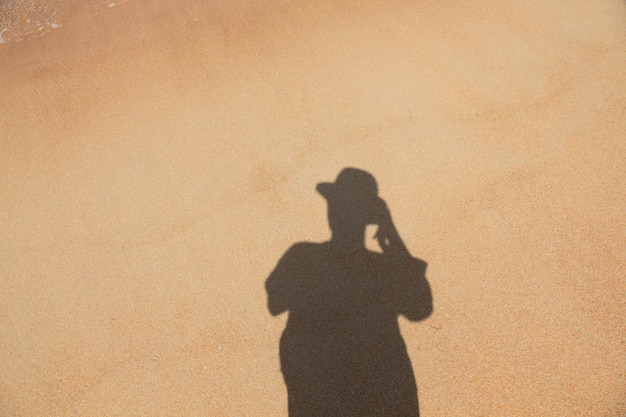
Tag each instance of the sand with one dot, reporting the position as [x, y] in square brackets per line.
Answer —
[159, 157]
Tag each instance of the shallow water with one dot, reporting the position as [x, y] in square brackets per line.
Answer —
[25, 19]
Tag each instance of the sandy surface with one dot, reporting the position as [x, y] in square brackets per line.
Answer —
[158, 158]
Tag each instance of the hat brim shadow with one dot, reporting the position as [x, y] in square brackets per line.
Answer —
[326, 189]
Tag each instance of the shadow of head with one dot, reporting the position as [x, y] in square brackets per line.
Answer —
[352, 199]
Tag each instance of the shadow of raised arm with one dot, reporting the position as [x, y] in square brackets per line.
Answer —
[415, 301]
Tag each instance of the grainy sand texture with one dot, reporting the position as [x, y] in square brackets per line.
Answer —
[157, 158]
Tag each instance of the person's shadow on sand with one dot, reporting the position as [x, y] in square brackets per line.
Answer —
[342, 353]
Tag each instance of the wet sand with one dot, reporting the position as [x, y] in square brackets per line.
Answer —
[158, 158]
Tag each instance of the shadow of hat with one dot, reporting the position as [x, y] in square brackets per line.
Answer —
[352, 185]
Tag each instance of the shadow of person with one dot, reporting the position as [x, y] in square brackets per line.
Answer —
[341, 352]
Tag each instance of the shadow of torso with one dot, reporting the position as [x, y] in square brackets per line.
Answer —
[342, 353]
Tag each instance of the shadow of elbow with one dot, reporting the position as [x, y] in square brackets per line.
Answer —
[420, 313]
[275, 310]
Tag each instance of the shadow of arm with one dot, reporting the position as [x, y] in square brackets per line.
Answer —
[279, 284]
[414, 293]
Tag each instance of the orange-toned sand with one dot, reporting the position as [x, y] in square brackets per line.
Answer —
[158, 158]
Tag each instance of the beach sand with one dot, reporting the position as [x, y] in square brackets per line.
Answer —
[159, 157]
